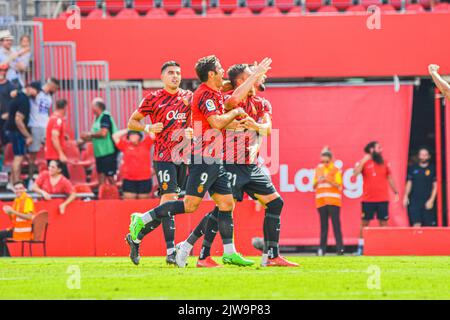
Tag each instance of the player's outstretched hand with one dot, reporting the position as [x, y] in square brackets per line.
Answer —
[433, 68]
[263, 67]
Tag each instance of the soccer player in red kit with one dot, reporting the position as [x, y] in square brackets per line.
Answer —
[206, 171]
[246, 176]
[169, 111]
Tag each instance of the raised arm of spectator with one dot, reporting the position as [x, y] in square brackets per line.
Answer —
[20, 123]
[242, 91]
[360, 165]
[118, 135]
[441, 84]
[135, 124]
[57, 145]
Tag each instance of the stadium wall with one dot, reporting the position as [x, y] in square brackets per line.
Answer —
[306, 46]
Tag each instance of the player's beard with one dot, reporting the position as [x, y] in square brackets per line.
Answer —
[377, 157]
[261, 87]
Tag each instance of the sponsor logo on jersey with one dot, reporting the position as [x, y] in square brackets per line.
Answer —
[175, 115]
[210, 105]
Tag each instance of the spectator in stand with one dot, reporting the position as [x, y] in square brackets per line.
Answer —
[136, 166]
[377, 178]
[53, 182]
[55, 136]
[328, 186]
[105, 151]
[25, 58]
[16, 126]
[6, 87]
[421, 191]
[8, 55]
[39, 115]
[21, 214]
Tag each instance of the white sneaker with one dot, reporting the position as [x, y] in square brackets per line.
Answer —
[181, 256]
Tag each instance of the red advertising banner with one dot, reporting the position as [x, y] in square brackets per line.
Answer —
[344, 118]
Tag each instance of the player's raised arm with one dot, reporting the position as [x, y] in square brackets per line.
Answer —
[242, 91]
[135, 124]
[442, 85]
[220, 121]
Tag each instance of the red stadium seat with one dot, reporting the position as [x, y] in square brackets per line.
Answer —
[156, 13]
[127, 14]
[86, 6]
[425, 3]
[441, 7]
[367, 3]
[172, 6]
[414, 7]
[295, 11]
[342, 4]
[108, 192]
[271, 11]
[387, 8]
[327, 9]
[8, 155]
[72, 152]
[87, 155]
[83, 189]
[256, 5]
[228, 5]
[197, 5]
[313, 4]
[397, 4]
[97, 14]
[142, 6]
[285, 5]
[77, 174]
[242, 12]
[214, 12]
[185, 13]
[357, 8]
[114, 6]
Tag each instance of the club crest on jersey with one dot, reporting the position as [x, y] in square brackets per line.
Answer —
[200, 188]
[210, 105]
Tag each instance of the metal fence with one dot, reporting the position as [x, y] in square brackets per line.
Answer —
[5, 9]
[60, 62]
[93, 79]
[35, 69]
[124, 99]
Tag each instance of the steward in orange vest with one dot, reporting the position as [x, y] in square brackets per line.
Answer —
[21, 214]
[328, 186]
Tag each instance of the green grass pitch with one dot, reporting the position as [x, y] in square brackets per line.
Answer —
[330, 277]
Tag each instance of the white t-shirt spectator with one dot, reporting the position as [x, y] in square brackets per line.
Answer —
[39, 111]
[12, 73]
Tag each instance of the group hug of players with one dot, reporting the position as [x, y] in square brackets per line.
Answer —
[219, 107]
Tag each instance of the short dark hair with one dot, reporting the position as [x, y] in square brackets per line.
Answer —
[54, 81]
[99, 103]
[61, 104]
[369, 146]
[204, 66]
[59, 164]
[19, 182]
[235, 71]
[169, 64]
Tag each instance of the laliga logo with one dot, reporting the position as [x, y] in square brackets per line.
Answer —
[374, 20]
[175, 115]
[303, 181]
[73, 20]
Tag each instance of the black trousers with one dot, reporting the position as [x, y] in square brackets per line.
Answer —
[325, 212]
[4, 234]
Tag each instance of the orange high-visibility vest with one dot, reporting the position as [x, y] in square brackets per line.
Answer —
[22, 228]
[327, 194]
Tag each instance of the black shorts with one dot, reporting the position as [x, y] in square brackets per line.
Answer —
[18, 142]
[380, 208]
[419, 214]
[207, 177]
[249, 179]
[107, 165]
[171, 177]
[137, 186]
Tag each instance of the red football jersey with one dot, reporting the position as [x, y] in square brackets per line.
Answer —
[205, 103]
[375, 181]
[54, 123]
[174, 112]
[238, 143]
